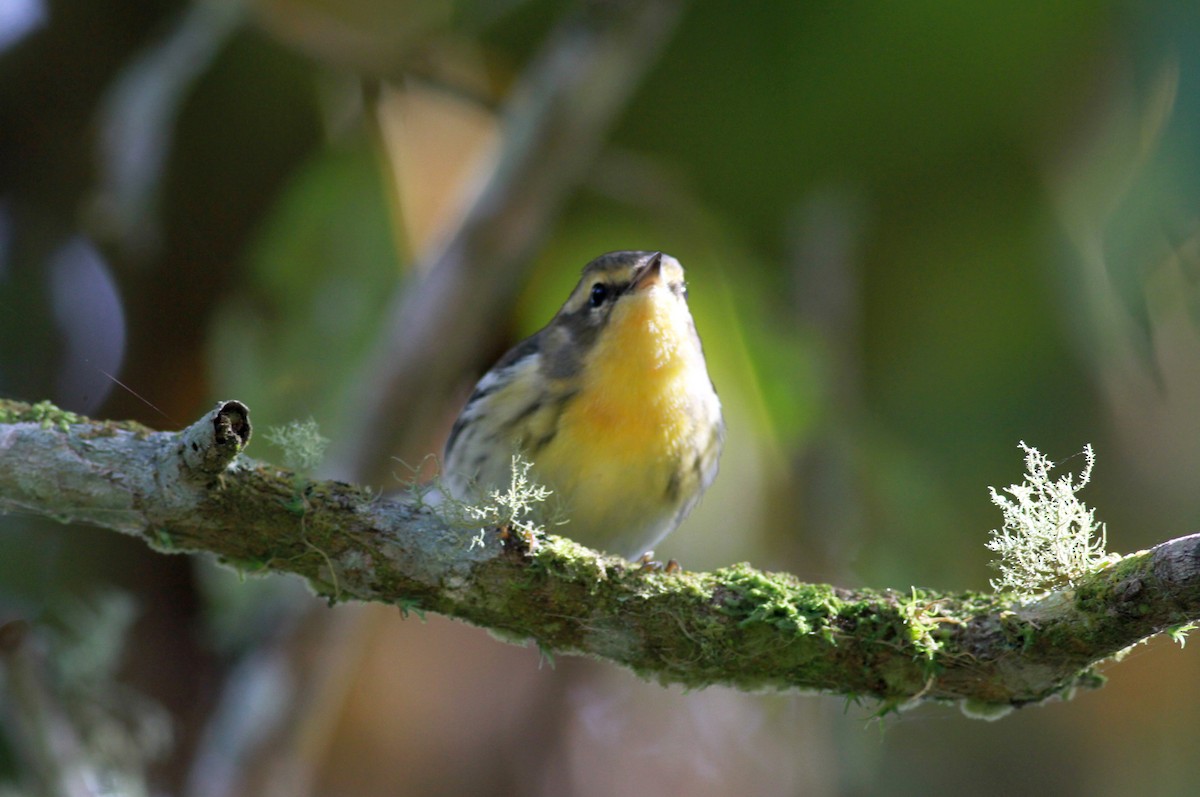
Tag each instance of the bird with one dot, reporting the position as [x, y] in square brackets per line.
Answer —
[611, 405]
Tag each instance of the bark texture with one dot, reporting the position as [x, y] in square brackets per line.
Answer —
[194, 491]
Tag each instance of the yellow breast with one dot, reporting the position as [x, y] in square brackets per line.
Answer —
[621, 460]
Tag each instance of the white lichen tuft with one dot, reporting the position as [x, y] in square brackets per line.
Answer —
[514, 510]
[1050, 538]
[301, 442]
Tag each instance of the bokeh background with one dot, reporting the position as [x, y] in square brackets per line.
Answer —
[916, 234]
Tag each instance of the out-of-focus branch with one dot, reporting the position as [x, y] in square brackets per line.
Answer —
[67, 721]
[35, 722]
[735, 626]
[552, 128]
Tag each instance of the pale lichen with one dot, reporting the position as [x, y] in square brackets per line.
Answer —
[301, 442]
[513, 509]
[516, 510]
[1050, 538]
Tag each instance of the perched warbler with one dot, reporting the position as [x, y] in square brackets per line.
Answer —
[611, 403]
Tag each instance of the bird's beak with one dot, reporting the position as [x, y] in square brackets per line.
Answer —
[650, 274]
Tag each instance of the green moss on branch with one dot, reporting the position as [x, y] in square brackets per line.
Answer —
[737, 626]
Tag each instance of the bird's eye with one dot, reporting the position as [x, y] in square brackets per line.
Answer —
[598, 295]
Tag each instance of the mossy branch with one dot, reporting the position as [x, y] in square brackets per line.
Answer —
[192, 491]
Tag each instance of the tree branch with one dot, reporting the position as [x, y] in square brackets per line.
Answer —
[735, 626]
